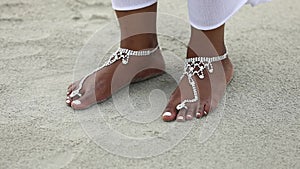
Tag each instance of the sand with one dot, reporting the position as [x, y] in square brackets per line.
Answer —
[257, 126]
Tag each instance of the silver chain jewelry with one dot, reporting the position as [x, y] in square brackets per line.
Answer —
[196, 66]
[121, 53]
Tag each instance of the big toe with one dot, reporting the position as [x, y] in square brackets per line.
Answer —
[85, 101]
[169, 115]
[170, 112]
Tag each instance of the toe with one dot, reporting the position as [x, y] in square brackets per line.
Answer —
[200, 111]
[70, 99]
[181, 115]
[85, 101]
[71, 87]
[191, 112]
[204, 108]
[207, 109]
[169, 113]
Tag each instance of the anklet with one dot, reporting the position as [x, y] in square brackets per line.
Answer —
[196, 66]
[121, 53]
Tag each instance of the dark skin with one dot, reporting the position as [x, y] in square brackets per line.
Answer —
[207, 44]
[134, 23]
[139, 32]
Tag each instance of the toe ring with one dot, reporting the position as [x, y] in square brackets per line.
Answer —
[181, 106]
[75, 93]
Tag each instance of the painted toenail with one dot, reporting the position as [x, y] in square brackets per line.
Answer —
[68, 101]
[198, 114]
[68, 98]
[189, 116]
[76, 102]
[205, 112]
[167, 114]
[180, 117]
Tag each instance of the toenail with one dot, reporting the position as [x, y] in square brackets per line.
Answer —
[198, 115]
[189, 116]
[76, 102]
[68, 101]
[205, 112]
[167, 114]
[68, 97]
[180, 117]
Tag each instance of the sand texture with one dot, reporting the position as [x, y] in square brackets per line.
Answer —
[41, 40]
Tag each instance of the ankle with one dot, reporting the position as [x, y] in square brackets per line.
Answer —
[140, 42]
[206, 51]
[207, 43]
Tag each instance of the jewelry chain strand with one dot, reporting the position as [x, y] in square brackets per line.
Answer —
[121, 53]
[196, 66]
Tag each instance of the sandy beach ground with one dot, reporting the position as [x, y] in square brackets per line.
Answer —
[257, 127]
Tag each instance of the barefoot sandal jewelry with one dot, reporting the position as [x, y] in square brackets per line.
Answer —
[121, 53]
[196, 66]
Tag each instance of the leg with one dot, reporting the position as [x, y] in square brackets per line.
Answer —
[134, 23]
[207, 39]
[138, 32]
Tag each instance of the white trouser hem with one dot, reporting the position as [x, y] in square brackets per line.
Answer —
[198, 25]
[132, 5]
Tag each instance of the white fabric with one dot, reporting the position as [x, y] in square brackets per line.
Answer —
[126, 5]
[210, 14]
[203, 14]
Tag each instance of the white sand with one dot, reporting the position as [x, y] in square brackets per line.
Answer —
[40, 41]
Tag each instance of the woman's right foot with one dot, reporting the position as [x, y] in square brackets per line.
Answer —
[100, 85]
[138, 32]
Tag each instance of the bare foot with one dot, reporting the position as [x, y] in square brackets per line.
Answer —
[102, 84]
[210, 91]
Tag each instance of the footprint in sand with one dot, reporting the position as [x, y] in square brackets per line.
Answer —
[90, 10]
[89, 14]
[23, 34]
[21, 50]
[15, 28]
[9, 11]
[57, 160]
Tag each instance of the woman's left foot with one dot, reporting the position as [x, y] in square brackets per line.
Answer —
[210, 91]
